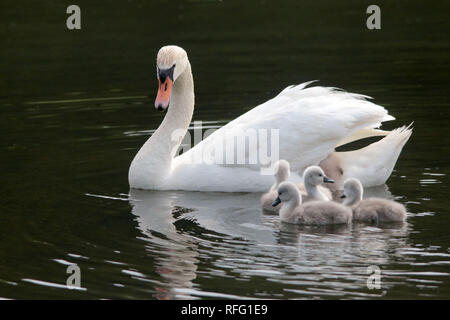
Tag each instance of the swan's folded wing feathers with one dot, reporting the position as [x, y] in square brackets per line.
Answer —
[297, 87]
[311, 122]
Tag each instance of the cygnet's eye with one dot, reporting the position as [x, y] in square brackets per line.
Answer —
[320, 174]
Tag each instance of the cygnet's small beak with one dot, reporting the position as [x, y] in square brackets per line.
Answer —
[327, 180]
[276, 202]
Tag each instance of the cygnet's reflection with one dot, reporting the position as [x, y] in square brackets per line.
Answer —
[177, 225]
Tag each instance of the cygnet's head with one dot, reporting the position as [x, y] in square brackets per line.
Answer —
[282, 170]
[171, 61]
[315, 176]
[286, 191]
[353, 191]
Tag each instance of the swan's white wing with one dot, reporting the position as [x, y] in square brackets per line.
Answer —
[311, 122]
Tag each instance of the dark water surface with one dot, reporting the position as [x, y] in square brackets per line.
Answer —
[75, 109]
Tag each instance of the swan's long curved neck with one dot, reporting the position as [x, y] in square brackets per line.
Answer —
[155, 156]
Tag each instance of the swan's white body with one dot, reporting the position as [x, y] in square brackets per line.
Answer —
[311, 122]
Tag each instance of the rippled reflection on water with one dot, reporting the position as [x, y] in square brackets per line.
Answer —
[232, 242]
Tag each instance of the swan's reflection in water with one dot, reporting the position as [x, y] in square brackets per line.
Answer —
[195, 236]
[175, 253]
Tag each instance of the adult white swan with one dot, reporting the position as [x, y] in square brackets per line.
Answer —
[312, 122]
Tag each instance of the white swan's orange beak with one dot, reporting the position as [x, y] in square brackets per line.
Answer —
[163, 97]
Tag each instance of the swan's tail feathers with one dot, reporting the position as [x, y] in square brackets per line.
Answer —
[388, 117]
[363, 133]
[373, 164]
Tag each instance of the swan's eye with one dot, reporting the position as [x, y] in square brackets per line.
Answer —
[163, 74]
[320, 174]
